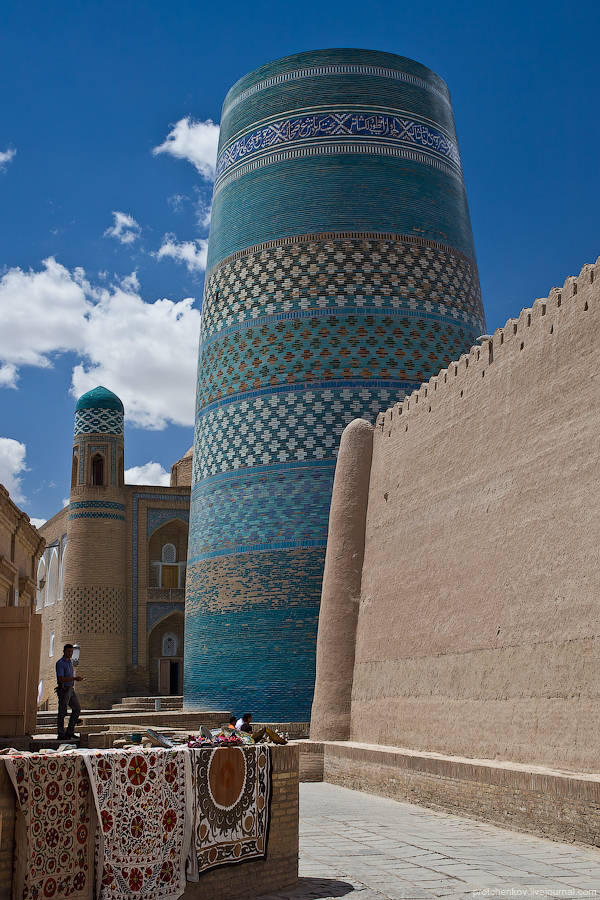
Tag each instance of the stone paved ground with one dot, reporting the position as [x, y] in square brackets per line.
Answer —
[363, 847]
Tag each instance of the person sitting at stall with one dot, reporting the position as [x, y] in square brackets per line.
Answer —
[244, 723]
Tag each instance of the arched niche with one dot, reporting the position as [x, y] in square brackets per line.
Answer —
[61, 572]
[167, 555]
[52, 578]
[41, 583]
[166, 668]
[98, 470]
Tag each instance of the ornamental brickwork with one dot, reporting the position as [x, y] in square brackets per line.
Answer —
[341, 275]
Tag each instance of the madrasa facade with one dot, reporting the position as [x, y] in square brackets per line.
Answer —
[341, 275]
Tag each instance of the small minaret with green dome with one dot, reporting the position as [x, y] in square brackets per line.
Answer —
[95, 580]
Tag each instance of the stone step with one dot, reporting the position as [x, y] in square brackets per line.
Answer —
[127, 707]
[173, 718]
[174, 700]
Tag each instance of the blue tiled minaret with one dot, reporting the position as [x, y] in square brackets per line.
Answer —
[341, 274]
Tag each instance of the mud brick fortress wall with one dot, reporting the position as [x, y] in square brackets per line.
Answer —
[341, 273]
[471, 626]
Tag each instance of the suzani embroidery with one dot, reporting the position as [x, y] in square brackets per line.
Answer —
[232, 797]
[144, 834]
[54, 828]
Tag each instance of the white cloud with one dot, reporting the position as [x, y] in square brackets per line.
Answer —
[65, 501]
[176, 202]
[145, 352]
[6, 156]
[125, 229]
[12, 467]
[204, 214]
[192, 253]
[149, 473]
[194, 141]
[8, 376]
[37, 523]
[130, 283]
[41, 313]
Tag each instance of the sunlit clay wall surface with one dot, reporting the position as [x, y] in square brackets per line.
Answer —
[341, 273]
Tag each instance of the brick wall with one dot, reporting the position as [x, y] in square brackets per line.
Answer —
[478, 612]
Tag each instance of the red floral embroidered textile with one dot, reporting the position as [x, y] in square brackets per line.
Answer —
[145, 828]
[54, 827]
[232, 797]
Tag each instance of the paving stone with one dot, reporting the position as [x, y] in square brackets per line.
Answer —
[362, 847]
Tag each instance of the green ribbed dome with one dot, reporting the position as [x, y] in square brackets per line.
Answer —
[99, 398]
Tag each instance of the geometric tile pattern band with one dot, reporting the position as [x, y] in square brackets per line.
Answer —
[293, 424]
[341, 271]
[337, 345]
[98, 421]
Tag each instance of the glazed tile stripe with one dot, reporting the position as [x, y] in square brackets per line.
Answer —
[317, 237]
[320, 71]
[102, 504]
[309, 386]
[429, 145]
[96, 515]
[258, 548]
[326, 149]
[366, 109]
[400, 312]
[260, 471]
[285, 507]
[334, 124]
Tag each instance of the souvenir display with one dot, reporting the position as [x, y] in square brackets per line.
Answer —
[54, 827]
[231, 736]
[158, 740]
[231, 797]
[144, 833]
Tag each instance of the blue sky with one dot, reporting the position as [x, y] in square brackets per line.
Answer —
[90, 89]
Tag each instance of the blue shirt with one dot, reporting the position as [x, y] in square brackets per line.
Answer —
[64, 667]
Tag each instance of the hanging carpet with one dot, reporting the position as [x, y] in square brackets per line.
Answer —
[54, 827]
[231, 796]
[144, 834]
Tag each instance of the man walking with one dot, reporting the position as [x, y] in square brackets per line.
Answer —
[66, 678]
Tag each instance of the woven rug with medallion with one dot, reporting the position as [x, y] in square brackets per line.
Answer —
[54, 827]
[145, 828]
[232, 800]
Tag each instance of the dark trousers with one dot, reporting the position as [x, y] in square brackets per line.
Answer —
[67, 697]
